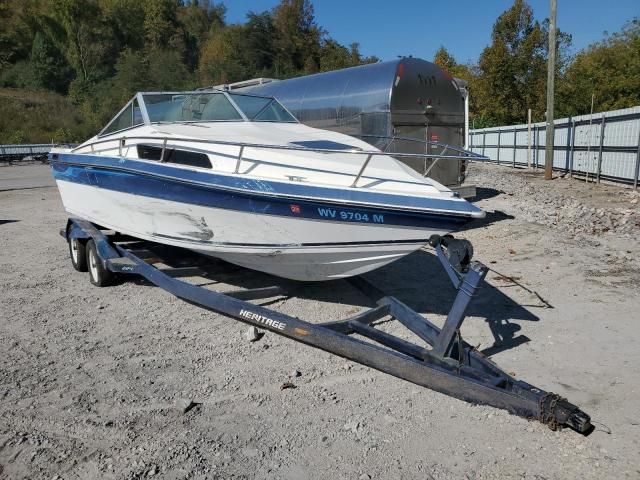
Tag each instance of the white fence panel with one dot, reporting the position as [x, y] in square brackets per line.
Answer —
[604, 145]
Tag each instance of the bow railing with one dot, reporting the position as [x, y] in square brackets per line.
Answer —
[369, 154]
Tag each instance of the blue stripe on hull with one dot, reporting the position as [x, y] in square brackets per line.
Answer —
[150, 185]
[273, 188]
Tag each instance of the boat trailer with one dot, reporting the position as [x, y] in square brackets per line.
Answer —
[445, 363]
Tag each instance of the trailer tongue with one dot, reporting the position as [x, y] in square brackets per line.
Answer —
[444, 362]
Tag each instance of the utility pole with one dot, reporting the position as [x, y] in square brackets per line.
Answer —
[551, 70]
[586, 177]
[529, 138]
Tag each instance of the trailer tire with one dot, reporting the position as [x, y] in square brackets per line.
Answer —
[98, 275]
[78, 254]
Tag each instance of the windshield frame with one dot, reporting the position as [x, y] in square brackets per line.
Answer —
[146, 120]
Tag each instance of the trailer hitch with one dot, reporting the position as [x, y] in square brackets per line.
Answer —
[556, 411]
[450, 352]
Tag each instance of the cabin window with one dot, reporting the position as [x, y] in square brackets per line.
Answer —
[129, 117]
[149, 153]
[172, 155]
[184, 157]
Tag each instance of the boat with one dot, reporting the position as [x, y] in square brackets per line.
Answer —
[405, 97]
[237, 177]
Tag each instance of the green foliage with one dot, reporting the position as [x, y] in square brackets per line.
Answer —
[16, 137]
[100, 52]
[609, 69]
[197, 20]
[511, 74]
[49, 70]
[283, 43]
[260, 46]
[512, 69]
[18, 75]
[444, 59]
[84, 39]
[334, 56]
[224, 58]
[160, 23]
[15, 34]
[125, 18]
[27, 116]
[297, 37]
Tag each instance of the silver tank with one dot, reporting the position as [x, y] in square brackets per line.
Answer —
[408, 97]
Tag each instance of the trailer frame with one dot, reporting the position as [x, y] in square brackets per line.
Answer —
[444, 362]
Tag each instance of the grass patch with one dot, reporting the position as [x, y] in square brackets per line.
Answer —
[31, 116]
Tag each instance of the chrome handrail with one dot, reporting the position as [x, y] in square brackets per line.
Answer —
[417, 140]
[242, 145]
[364, 165]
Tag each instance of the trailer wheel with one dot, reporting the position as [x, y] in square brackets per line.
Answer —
[78, 254]
[98, 275]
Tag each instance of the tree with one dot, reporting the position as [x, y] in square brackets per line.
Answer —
[78, 31]
[447, 62]
[100, 52]
[260, 46]
[196, 21]
[222, 59]
[444, 59]
[334, 56]
[167, 71]
[126, 19]
[610, 69]
[512, 70]
[49, 70]
[506, 66]
[18, 25]
[159, 22]
[298, 37]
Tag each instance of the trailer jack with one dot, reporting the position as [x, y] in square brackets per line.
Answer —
[442, 361]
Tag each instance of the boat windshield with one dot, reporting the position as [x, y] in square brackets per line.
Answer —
[213, 106]
[189, 107]
[196, 106]
[261, 109]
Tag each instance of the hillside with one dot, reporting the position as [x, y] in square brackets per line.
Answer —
[29, 116]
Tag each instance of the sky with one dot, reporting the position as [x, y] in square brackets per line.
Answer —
[388, 29]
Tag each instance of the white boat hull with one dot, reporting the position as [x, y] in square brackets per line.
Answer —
[289, 247]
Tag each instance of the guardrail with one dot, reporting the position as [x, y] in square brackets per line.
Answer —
[36, 152]
[604, 145]
[14, 153]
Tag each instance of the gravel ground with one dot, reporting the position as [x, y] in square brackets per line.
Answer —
[94, 383]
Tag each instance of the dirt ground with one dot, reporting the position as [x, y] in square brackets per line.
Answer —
[91, 379]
